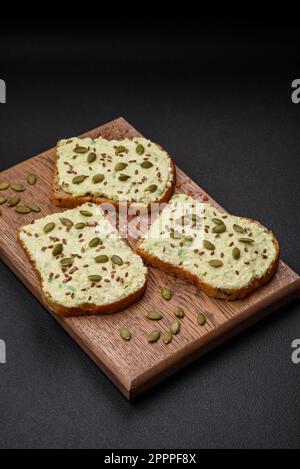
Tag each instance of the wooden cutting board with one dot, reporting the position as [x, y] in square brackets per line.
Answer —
[136, 365]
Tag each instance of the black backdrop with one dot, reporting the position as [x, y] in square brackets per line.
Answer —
[217, 94]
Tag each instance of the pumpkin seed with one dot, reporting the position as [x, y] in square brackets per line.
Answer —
[102, 259]
[175, 235]
[80, 149]
[238, 228]
[94, 278]
[116, 260]
[17, 187]
[208, 245]
[153, 336]
[120, 149]
[49, 227]
[13, 201]
[79, 226]
[86, 213]
[217, 221]
[151, 188]
[31, 179]
[78, 179]
[2, 199]
[94, 242]
[98, 178]
[167, 337]
[219, 228]
[34, 207]
[66, 222]
[91, 157]
[236, 253]
[22, 209]
[120, 166]
[3, 186]
[66, 261]
[166, 293]
[246, 240]
[216, 263]
[175, 327]
[154, 315]
[123, 177]
[125, 333]
[201, 319]
[140, 149]
[146, 164]
[179, 312]
[58, 249]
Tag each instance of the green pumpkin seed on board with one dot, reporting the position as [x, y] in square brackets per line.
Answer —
[153, 315]
[125, 333]
[166, 293]
[153, 336]
[31, 179]
[167, 337]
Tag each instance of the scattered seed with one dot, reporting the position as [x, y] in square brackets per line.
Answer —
[236, 253]
[2, 199]
[86, 213]
[3, 186]
[125, 333]
[94, 242]
[151, 188]
[66, 222]
[167, 337]
[153, 336]
[179, 312]
[238, 228]
[78, 179]
[34, 207]
[140, 149]
[201, 319]
[153, 315]
[58, 249]
[13, 201]
[80, 149]
[246, 240]
[216, 263]
[98, 178]
[22, 209]
[116, 260]
[66, 261]
[146, 164]
[175, 327]
[49, 227]
[219, 228]
[120, 149]
[80, 226]
[31, 179]
[91, 157]
[123, 177]
[102, 259]
[120, 166]
[217, 221]
[208, 245]
[95, 278]
[166, 293]
[17, 187]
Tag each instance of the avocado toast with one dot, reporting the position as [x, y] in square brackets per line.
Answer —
[225, 256]
[83, 264]
[129, 171]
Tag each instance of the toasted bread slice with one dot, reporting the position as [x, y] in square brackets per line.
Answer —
[83, 264]
[225, 256]
[135, 171]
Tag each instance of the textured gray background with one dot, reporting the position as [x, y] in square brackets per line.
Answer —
[218, 98]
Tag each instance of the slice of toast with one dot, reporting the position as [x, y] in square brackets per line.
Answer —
[83, 264]
[130, 171]
[224, 255]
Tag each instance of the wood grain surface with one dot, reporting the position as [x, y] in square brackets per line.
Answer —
[136, 365]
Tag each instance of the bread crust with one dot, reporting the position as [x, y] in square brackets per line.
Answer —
[223, 294]
[63, 199]
[84, 309]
